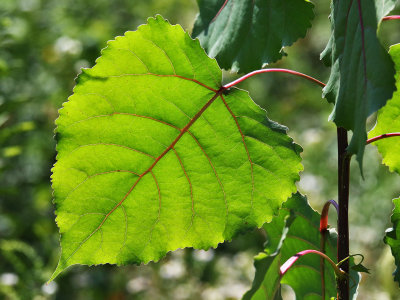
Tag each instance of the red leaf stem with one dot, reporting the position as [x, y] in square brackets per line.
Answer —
[289, 263]
[235, 82]
[323, 224]
[387, 18]
[382, 136]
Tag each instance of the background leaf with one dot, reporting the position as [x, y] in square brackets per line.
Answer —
[361, 79]
[295, 229]
[246, 35]
[153, 157]
[392, 237]
[389, 121]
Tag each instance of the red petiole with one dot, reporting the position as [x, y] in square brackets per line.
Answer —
[382, 136]
[323, 225]
[289, 263]
[235, 82]
[387, 18]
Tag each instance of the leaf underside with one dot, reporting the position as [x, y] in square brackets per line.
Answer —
[392, 237]
[362, 73]
[389, 121]
[245, 35]
[294, 230]
[153, 156]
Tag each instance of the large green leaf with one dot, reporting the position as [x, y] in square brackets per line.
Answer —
[294, 230]
[389, 121]
[362, 73]
[245, 35]
[154, 156]
[392, 237]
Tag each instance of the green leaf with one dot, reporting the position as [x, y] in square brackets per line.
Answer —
[392, 237]
[360, 268]
[246, 35]
[294, 230]
[154, 156]
[361, 79]
[389, 121]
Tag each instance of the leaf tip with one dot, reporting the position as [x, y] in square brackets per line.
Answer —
[57, 272]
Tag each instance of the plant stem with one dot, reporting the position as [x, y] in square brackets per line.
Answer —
[382, 136]
[343, 218]
[235, 82]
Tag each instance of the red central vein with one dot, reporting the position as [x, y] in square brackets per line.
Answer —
[362, 40]
[183, 131]
[220, 10]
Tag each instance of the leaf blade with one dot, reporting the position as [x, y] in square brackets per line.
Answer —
[294, 230]
[151, 160]
[391, 238]
[247, 35]
[388, 121]
[361, 79]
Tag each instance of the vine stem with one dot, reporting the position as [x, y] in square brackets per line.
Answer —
[235, 82]
[382, 136]
[343, 216]
[387, 18]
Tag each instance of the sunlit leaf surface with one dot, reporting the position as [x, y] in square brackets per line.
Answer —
[388, 121]
[154, 156]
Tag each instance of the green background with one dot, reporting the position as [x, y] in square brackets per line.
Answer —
[43, 45]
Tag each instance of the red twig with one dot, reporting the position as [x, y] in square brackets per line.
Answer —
[235, 82]
[382, 136]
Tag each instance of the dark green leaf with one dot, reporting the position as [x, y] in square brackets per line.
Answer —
[246, 35]
[361, 79]
[360, 268]
[153, 157]
[389, 121]
[392, 237]
[294, 230]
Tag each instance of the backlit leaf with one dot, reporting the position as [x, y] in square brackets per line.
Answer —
[361, 79]
[245, 35]
[294, 230]
[389, 121]
[154, 156]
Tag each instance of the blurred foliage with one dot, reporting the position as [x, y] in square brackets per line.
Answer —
[43, 45]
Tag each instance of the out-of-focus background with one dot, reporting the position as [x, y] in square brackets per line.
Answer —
[43, 45]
